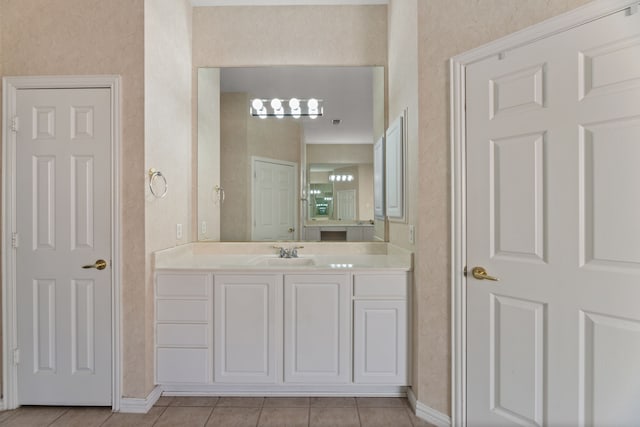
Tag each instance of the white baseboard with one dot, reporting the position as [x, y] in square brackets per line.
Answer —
[134, 405]
[427, 413]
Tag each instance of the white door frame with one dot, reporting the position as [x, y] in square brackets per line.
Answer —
[9, 309]
[255, 159]
[458, 65]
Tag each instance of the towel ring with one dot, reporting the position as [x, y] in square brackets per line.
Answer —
[157, 175]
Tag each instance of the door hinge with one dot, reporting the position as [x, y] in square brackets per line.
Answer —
[15, 240]
[15, 124]
[16, 356]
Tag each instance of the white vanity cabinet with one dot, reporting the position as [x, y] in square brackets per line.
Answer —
[317, 326]
[183, 328]
[248, 325]
[295, 330]
[380, 329]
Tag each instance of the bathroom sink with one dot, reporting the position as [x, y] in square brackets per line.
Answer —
[290, 261]
[285, 262]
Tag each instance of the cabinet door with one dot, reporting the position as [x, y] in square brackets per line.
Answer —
[247, 321]
[312, 233]
[380, 342]
[317, 329]
[354, 234]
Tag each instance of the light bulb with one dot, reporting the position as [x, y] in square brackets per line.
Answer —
[344, 177]
[350, 178]
[280, 113]
[294, 103]
[296, 113]
[312, 104]
[257, 104]
[276, 104]
[332, 177]
[313, 114]
[262, 113]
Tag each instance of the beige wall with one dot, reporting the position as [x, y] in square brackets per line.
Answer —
[234, 166]
[208, 154]
[443, 33]
[97, 37]
[324, 35]
[339, 153]
[167, 110]
[365, 192]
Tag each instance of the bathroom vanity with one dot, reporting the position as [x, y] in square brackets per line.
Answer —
[236, 319]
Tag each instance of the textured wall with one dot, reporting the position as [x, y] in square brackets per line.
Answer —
[292, 35]
[208, 154]
[167, 71]
[97, 37]
[234, 164]
[403, 95]
[443, 33]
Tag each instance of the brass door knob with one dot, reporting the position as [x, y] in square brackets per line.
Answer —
[291, 229]
[481, 274]
[100, 265]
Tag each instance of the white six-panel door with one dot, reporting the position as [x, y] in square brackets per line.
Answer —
[63, 220]
[553, 208]
[274, 200]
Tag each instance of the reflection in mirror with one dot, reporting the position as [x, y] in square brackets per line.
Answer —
[276, 172]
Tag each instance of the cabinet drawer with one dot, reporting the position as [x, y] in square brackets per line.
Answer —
[394, 286]
[182, 311]
[182, 285]
[182, 334]
[182, 365]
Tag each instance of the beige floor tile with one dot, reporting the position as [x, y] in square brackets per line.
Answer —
[418, 422]
[384, 417]
[83, 417]
[284, 417]
[194, 401]
[334, 417]
[332, 402]
[382, 402]
[36, 416]
[286, 402]
[165, 400]
[184, 417]
[243, 402]
[234, 417]
[134, 420]
[5, 415]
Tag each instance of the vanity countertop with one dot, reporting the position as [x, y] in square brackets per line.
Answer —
[259, 256]
[338, 224]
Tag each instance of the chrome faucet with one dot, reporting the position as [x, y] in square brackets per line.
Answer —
[288, 253]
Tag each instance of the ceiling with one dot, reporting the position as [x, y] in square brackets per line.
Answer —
[346, 92]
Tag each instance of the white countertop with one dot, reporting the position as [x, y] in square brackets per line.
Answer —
[337, 224]
[259, 256]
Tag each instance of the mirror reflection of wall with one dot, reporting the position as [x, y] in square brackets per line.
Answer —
[346, 172]
[321, 201]
[229, 143]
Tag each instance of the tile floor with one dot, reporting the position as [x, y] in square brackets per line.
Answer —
[231, 412]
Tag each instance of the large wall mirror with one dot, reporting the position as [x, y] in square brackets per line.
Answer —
[288, 178]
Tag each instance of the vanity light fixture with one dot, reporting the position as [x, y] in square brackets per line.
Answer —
[280, 108]
[341, 178]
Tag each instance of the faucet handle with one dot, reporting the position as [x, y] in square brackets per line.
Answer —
[294, 251]
[282, 251]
